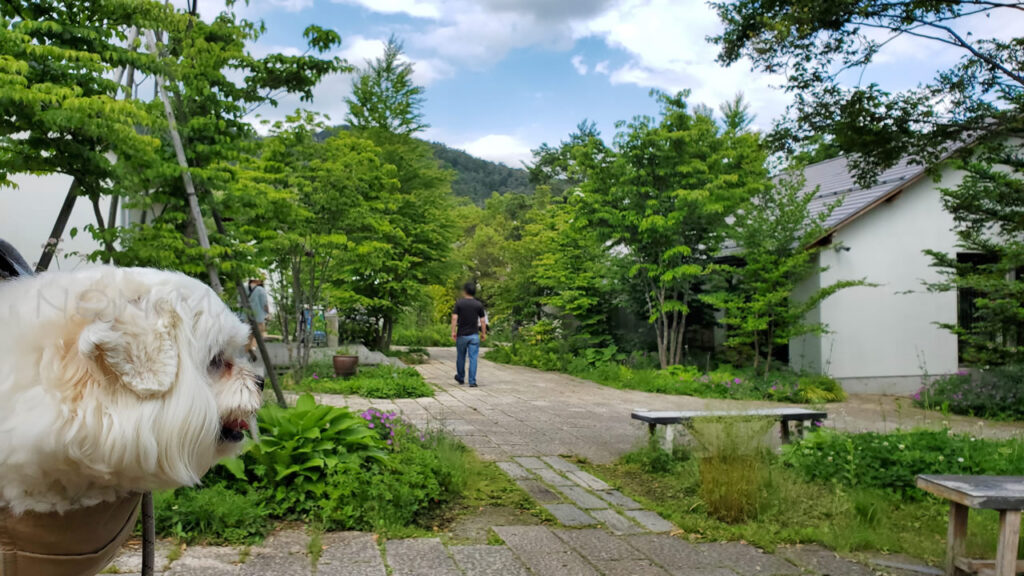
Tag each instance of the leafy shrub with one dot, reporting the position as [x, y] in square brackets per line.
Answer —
[381, 381]
[210, 515]
[299, 449]
[344, 471]
[892, 461]
[411, 355]
[995, 393]
[430, 335]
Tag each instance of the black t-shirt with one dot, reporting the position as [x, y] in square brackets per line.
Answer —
[469, 311]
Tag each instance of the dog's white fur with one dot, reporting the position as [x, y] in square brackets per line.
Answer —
[115, 380]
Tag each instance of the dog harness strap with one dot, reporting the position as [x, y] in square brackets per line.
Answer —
[79, 542]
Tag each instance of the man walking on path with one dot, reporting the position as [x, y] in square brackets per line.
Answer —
[260, 309]
[469, 326]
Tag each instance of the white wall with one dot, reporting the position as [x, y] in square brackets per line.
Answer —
[884, 339]
[27, 214]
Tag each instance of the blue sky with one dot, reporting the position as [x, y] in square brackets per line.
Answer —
[503, 76]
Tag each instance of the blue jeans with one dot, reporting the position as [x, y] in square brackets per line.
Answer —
[462, 345]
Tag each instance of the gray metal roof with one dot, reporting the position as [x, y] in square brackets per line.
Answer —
[834, 180]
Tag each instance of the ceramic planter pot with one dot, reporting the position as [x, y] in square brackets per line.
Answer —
[345, 365]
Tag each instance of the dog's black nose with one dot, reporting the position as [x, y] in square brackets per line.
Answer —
[259, 382]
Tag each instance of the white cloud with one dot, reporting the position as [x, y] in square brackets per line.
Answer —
[665, 40]
[508, 150]
[415, 8]
[577, 63]
[602, 67]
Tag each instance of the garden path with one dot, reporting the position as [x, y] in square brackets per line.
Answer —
[518, 411]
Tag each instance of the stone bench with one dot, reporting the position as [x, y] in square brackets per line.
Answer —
[801, 416]
[1002, 493]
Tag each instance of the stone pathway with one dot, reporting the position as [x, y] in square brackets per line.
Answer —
[519, 411]
[524, 419]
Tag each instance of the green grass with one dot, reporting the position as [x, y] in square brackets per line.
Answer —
[789, 510]
[432, 335]
[373, 382]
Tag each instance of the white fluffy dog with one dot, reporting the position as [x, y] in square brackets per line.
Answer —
[116, 381]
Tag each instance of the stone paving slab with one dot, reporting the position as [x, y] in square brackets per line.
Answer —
[616, 522]
[543, 552]
[823, 561]
[597, 545]
[530, 462]
[560, 464]
[539, 492]
[515, 471]
[551, 477]
[284, 553]
[419, 557]
[630, 568]
[569, 515]
[488, 561]
[675, 555]
[616, 498]
[587, 480]
[206, 561]
[651, 520]
[350, 554]
[746, 559]
[129, 559]
[583, 498]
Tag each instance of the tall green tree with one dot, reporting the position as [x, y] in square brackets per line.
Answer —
[64, 111]
[411, 251]
[988, 212]
[815, 43]
[385, 97]
[662, 196]
[774, 235]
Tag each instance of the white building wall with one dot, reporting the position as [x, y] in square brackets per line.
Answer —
[27, 214]
[885, 339]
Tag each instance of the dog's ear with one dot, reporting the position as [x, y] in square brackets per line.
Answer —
[136, 341]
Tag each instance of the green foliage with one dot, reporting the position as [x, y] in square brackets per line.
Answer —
[430, 335]
[662, 193]
[994, 393]
[385, 97]
[381, 381]
[793, 510]
[987, 208]
[891, 461]
[774, 233]
[603, 366]
[213, 515]
[812, 43]
[343, 471]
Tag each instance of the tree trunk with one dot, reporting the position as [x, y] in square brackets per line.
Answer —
[148, 535]
[58, 227]
[186, 176]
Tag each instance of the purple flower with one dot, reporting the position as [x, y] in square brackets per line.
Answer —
[389, 442]
[315, 377]
[371, 424]
[736, 380]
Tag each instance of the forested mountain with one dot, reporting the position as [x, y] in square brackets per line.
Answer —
[476, 178]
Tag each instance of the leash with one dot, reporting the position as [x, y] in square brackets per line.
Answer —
[13, 265]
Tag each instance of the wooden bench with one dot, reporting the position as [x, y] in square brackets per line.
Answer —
[655, 418]
[1002, 493]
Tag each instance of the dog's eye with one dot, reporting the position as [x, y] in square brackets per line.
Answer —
[218, 363]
